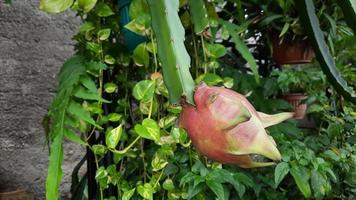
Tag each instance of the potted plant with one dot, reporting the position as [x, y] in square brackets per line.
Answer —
[292, 83]
[280, 22]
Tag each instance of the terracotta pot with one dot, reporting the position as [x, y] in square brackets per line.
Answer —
[16, 195]
[294, 99]
[291, 52]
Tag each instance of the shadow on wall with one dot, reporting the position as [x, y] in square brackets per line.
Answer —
[33, 45]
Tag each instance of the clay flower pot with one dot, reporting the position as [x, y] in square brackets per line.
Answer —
[17, 194]
[291, 52]
[295, 100]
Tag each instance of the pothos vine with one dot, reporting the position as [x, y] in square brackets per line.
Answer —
[113, 100]
[129, 125]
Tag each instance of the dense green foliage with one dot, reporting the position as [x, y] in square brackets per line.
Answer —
[116, 103]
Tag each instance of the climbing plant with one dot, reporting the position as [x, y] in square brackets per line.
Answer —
[136, 65]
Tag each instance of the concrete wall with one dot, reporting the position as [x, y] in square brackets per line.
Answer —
[33, 45]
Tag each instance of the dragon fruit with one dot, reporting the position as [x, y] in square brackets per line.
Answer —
[225, 127]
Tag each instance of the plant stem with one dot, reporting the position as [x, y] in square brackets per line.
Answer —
[204, 53]
[159, 177]
[127, 148]
[118, 191]
[143, 161]
[196, 55]
[151, 105]
[97, 167]
[190, 156]
[154, 51]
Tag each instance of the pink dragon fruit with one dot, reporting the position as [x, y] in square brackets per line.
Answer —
[225, 127]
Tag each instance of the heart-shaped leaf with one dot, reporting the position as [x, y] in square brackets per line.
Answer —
[144, 90]
[149, 129]
[113, 137]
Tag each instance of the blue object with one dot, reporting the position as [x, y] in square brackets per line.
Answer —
[131, 39]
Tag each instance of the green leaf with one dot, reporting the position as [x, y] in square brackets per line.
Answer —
[212, 14]
[114, 117]
[172, 53]
[103, 10]
[95, 66]
[311, 24]
[77, 110]
[86, 27]
[281, 170]
[110, 87]
[99, 149]
[215, 50]
[109, 59]
[104, 34]
[331, 155]
[113, 137]
[349, 10]
[243, 178]
[158, 163]
[149, 129]
[73, 137]
[168, 184]
[128, 194]
[301, 178]
[317, 183]
[228, 82]
[144, 90]
[140, 25]
[71, 71]
[187, 178]
[211, 65]
[221, 176]
[146, 191]
[269, 19]
[150, 106]
[88, 83]
[242, 48]
[210, 79]
[176, 109]
[199, 15]
[284, 29]
[179, 135]
[86, 94]
[167, 121]
[68, 77]
[55, 6]
[217, 188]
[140, 55]
[93, 47]
[86, 5]
[138, 8]
[224, 176]
[194, 190]
[151, 47]
[55, 173]
[101, 173]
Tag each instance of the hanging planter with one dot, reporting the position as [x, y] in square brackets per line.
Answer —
[295, 100]
[291, 51]
[131, 39]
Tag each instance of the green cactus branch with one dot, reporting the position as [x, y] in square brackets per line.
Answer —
[172, 53]
[312, 26]
[199, 15]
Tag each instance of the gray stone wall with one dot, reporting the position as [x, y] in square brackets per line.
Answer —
[33, 45]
